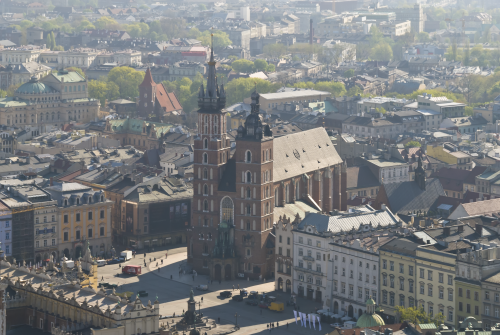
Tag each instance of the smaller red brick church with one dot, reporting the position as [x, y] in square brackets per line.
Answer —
[155, 102]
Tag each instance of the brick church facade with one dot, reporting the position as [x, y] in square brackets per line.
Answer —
[234, 201]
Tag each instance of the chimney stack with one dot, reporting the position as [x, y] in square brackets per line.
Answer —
[446, 231]
[460, 229]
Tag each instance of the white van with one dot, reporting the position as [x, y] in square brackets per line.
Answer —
[101, 262]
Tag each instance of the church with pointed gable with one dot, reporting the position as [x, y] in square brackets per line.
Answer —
[155, 102]
[237, 199]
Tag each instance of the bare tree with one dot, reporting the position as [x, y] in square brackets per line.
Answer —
[465, 84]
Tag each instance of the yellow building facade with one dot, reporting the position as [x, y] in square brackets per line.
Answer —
[84, 214]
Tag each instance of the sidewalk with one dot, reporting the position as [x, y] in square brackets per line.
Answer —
[170, 270]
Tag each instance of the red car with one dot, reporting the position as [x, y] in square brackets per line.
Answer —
[263, 305]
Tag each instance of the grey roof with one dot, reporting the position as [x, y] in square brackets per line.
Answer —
[407, 196]
[403, 245]
[361, 219]
[303, 152]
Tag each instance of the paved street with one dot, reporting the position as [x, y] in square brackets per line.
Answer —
[174, 293]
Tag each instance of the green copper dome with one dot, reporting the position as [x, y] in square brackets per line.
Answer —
[34, 87]
[367, 320]
[370, 318]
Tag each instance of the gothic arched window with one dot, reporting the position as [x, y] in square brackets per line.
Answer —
[227, 210]
[205, 205]
[248, 157]
[249, 177]
[205, 158]
[205, 143]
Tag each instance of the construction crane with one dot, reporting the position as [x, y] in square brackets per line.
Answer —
[20, 210]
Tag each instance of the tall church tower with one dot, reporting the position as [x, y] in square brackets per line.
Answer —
[254, 201]
[147, 95]
[212, 221]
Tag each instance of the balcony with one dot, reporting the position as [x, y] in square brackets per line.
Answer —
[314, 272]
[308, 258]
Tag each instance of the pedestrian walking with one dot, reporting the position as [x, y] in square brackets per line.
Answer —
[149, 259]
[218, 319]
[287, 325]
[238, 286]
[162, 262]
[102, 279]
[267, 326]
[156, 264]
[277, 324]
[201, 299]
[233, 287]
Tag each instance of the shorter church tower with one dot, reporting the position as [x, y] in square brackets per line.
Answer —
[147, 95]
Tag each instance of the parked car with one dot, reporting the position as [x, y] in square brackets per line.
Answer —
[101, 284]
[226, 294]
[238, 298]
[335, 325]
[112, 286]
[252, 302]
[243, 292]
[114, 261]
[263, 305]
[253, 295]
[142, 293]
[202, 287]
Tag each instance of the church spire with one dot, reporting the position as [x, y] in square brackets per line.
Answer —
[212, 98]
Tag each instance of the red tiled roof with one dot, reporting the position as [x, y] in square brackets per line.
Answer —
[476, 171]
[168, 101]
[62, 164]
[71, 176]
[148, 80]
[451, 173]
[470, 196]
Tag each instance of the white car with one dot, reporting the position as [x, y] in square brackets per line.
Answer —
[202, 287]
[335, 325]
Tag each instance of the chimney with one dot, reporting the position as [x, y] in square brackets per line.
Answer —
[460, 229]
[446, 231]
[383, 207]
[422, 223]
[51, 181]
[479, 229]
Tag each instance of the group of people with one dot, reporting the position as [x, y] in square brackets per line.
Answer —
[270, 326]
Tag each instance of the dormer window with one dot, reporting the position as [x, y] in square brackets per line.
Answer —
[65, 202]
[102, 198]
[77, 201]
[90, 199]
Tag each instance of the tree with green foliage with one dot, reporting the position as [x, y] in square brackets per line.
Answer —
[348, 73]
[106, 22]
[334, 87]
[423, 37]
[11, 90]
[127, 79]
[467, 53]
[241, 88]
[103, 90]
[260, 65]
[417, 315]
[381, 110]
[202, 7]
[469, 111]
[353, 91]
[221, 39]
[84, 25]
[274, 50]
[382, 52]
[243, 65]
[48, 41]
[413, 144]
[270, 68]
